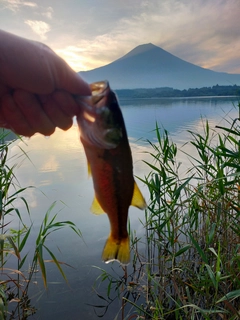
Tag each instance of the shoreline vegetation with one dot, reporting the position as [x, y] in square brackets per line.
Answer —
[187, 265]
[168, 92]
[17, 278]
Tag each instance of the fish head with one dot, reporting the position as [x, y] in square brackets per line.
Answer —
[98, 119]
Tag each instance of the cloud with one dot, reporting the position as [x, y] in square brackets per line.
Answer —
[39, 27]
[90, 54]
[203, 32]
[48, 13]
[74, 56]
[15, 5]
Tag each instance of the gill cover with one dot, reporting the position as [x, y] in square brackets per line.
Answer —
[97, 122]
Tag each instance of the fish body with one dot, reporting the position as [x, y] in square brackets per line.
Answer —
[104, 138]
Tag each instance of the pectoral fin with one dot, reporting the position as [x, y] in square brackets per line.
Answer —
[96, 207]
[137, 199]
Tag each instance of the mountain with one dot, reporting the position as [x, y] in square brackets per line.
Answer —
[149, 66]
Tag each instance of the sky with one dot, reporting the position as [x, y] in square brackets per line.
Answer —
[92, 33]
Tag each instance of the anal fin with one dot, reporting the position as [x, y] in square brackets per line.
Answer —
[96, 207]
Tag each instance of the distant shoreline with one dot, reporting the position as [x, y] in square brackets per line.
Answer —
[167, 92]
[193, 97]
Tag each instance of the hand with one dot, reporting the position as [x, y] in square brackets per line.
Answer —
[36, 87]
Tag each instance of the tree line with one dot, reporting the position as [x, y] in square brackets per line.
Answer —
[168, 92]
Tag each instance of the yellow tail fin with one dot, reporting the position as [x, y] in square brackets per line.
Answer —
[116, 250]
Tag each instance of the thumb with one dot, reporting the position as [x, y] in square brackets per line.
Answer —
[69, 80]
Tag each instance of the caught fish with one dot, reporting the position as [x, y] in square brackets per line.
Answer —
[104, 138]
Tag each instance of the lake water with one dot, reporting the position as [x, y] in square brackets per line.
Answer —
[57, 169]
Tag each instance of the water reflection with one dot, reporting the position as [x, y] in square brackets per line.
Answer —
[57, 168]
[173, 114]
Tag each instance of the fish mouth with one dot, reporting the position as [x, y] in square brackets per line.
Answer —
[98, 90]
[96, 120]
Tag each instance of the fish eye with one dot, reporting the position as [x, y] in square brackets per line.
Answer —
[104, 113]
[114, 135]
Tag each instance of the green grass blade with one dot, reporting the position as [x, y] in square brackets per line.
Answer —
[230, 296]
[57, 263]
[199, 250]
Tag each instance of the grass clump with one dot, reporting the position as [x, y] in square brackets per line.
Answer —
[190, 267]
